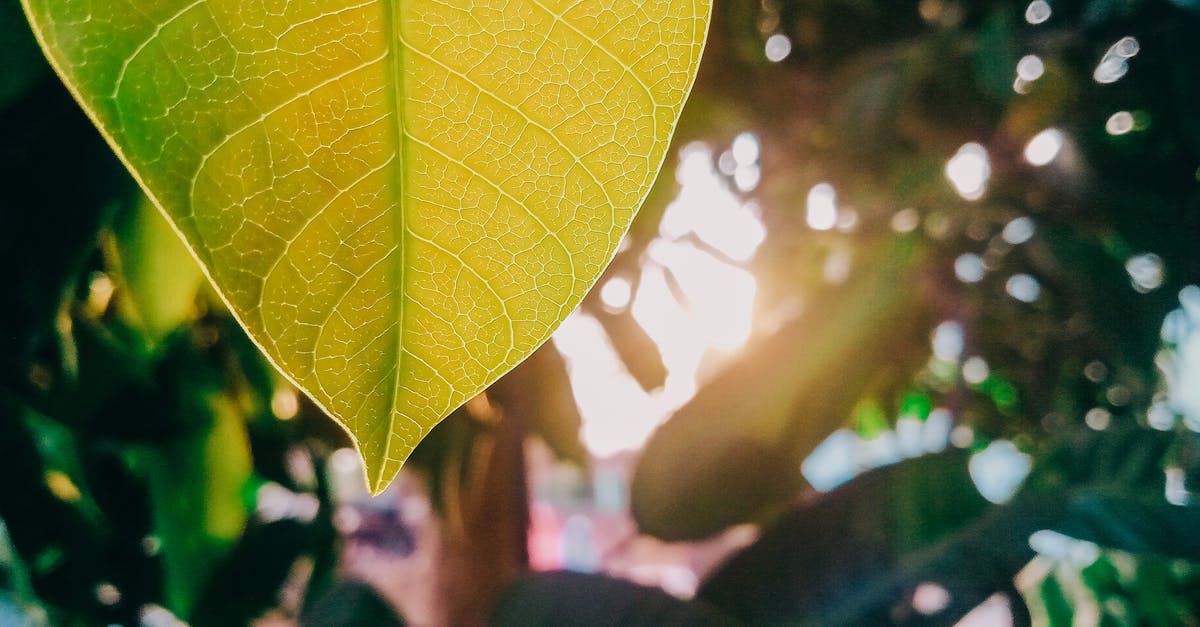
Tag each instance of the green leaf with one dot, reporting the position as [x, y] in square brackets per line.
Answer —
[398, 200]
[196, 487]
[923, 520]
[352, 602]
[162, 276]
[904, 522]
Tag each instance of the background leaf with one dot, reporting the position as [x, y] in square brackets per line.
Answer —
[733, 453]
[922, 521]
[561, 599]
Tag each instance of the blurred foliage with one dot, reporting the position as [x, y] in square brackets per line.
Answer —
[140, 429]
[594, 601]
[922, 522]
[874, 98]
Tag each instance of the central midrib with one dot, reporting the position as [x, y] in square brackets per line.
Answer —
[396, 75]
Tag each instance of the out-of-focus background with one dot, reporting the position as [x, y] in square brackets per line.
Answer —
[908, 332]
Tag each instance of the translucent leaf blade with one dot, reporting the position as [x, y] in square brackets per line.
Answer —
[399, 200]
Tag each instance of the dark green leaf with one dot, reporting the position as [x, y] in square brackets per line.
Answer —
[575, 600]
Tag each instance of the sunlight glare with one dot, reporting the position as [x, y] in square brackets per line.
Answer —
[617, 414]
[707, 207]
[691, 298]
[720, 295]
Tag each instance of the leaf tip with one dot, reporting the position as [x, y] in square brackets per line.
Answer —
[378, 485]
[380, 472]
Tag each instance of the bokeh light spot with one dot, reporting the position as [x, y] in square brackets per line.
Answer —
[969, 268]
[1030, 68]
[778, 47]
[1037, 12]
[1145, 272]
[822, 207]
[1119, 123]
[999, 470]
[968, 170]
[1044, 147]
[616, 293]
[1023, 288]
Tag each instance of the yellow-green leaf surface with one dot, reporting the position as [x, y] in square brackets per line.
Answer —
[399, 199]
